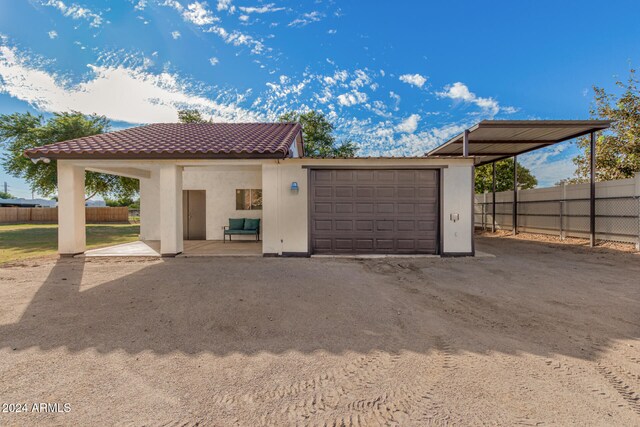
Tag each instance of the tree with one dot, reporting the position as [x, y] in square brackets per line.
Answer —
[4, 195]
[191, 116]
[617, 150]
[317, 132]
[122, 201]
[21, 131]
[504, 177]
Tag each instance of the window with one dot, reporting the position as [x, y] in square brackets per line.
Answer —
[248, 200]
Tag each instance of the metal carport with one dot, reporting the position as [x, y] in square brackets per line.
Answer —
[492, 140]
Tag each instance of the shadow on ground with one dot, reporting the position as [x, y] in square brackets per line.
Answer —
[531, 297]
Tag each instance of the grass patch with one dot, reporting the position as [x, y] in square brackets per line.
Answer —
[22, 241]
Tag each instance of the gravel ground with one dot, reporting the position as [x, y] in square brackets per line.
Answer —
[540, 334]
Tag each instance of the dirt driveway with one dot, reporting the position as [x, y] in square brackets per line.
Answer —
[537, 335]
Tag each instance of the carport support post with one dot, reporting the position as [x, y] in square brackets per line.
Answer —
[170, 210]
[71, 210]
[515, 195]
[493, 198]
[465, 143]
[592, 193]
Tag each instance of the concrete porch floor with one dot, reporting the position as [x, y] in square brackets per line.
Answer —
[192, 248]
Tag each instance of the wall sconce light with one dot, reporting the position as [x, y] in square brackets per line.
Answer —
[294, 187]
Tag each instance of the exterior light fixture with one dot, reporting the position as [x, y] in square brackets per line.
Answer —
[294, 187]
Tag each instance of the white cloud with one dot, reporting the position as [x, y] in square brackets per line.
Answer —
[332, 31]
[549, 165]
[352, 98]
[140, 5]
[409, 125]
[198, 14]
[361, 79]
[413, 79]
[53, 34]
[238, 38]
[128, 94]
[267, 8]
[460, 92]
[243, 18]
[213, 60]
[175, 34]
[226, 5]
[307, 19]
[75, 11]
[396, 100]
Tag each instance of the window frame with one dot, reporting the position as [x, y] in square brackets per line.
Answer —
[248, 205]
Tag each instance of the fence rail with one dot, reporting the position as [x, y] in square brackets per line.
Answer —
[564, 211]
[43, 215]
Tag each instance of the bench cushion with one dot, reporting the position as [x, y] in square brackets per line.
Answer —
[240, 231]
[236, 223]
[251, 224]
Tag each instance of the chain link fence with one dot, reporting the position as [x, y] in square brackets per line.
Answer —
[559, 211]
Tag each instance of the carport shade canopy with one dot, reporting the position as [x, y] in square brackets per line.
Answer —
[493, 140]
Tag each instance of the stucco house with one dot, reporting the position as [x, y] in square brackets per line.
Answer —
[195, 177]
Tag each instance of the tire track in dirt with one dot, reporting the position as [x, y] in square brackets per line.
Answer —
[626, 391]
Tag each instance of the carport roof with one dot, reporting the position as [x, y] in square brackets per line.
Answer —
[180, 140]
[492, 140]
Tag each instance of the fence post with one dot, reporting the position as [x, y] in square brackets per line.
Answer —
[563, 198]
[637, 194]
[484, 211]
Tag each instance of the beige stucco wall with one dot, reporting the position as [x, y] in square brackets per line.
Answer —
[220, 184]
[457, 195]
[285, 214]
[150, 206]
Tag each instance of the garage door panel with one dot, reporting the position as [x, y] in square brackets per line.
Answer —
[322, 175]
[385, 208]
[364, 244]
[406, 225]
[344, 175]
[344, 191]
[344, 225]
[385, 192]
[343, 244]
[364, 225]
[322, 207]
[384, 175]
[426, 193]
[384, 225]
[342, 208]
[365, 192]
[364, 176]
[364, 208]
[374, 211]
[321, 191]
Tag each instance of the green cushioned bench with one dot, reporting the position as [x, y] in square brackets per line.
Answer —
[242, 227]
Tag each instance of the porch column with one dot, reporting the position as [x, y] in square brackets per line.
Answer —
[170, 210]
[71, 210]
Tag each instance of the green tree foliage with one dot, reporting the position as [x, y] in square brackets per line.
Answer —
[123, 201]
[317, 132]
[21, 131]
[617, 150]
[4, 195]
[504, 177]
[191, 116]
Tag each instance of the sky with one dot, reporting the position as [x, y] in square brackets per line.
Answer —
[397, 78]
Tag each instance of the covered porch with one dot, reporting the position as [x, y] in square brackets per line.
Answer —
[184, 207]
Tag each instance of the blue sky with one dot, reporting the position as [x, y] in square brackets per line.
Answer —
[397, 78]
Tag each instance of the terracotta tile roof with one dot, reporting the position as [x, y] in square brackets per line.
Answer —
[180, 140]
